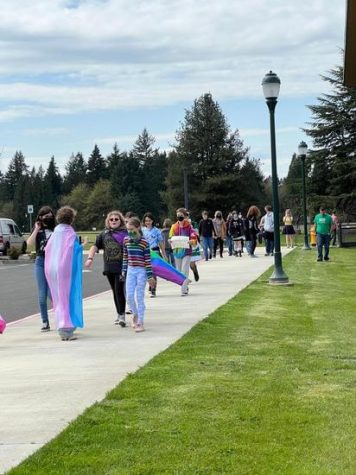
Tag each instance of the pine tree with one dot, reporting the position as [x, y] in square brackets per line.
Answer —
[153, 168]
[126, 179]
[97, 167]
[213, 158]
[52, 185]
[16, 170]
[76, 169]
[143, 148]
[333, 131]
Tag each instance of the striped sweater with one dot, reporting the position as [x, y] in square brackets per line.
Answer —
[137, 254]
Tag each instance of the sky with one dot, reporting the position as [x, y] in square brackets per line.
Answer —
[74, 73]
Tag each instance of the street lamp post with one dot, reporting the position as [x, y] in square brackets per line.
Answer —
[271, 85]
[302, 152]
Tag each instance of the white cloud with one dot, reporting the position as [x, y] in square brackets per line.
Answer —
[69, 56]
[46, 131]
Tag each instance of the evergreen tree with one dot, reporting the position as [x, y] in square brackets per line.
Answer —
[333, 131]
[52, 185]
[76, 169]
[113, 159]
[143, 148]
[97, 167]
[153, 168]
[213, 157]
[126, 179]
[16, 170]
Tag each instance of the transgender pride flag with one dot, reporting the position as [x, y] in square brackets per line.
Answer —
[63, 268]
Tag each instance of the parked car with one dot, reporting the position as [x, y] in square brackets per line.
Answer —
[10, 236]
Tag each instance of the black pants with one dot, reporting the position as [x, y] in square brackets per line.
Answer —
[118, 290]
[218, 242]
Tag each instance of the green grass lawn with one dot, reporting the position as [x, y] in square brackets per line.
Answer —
[264, 385]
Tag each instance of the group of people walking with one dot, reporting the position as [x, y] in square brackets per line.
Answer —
[131, 246]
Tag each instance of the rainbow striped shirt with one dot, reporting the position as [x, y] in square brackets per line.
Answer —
[137, 254]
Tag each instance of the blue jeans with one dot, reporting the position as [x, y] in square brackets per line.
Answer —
[323, 240]
[230, 244]
[208, 244]
[251, 246]
[42, 287]
[170, 257]
[269, 238]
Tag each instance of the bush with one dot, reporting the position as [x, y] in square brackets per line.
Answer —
[13, 253]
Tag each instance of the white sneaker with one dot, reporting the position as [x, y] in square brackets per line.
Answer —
[122, 321]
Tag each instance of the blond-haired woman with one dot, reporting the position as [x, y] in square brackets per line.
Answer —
[288, 229]
[111, 240]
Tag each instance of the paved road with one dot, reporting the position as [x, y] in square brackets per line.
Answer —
[18, 294]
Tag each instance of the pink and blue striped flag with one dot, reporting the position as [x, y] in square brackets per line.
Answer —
[63, 268]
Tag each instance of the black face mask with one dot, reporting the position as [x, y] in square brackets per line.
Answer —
[48, 221]
[180, 218]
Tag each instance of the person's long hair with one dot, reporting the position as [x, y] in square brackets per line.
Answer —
[253, 211]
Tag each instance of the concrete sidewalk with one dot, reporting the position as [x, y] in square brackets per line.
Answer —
[46, 383]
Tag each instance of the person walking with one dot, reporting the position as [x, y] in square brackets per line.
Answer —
[182, 255]
[195, 257]
[207, 234]
[63, 268]
[323, 223]
[229, 240]
[111, 241]
[267, 223]
[155, 240]
[251, 229]
[167, 224]
[42, 231]
[334, 228]
[288, 229]
[220, 233]
[136, 271]
[237, 232]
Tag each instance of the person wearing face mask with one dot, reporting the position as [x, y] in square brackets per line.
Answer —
[237, 230]
[155, 240]
[182, 255]
[44, 226]
[220, 233]
[136, 271]
[111, 240]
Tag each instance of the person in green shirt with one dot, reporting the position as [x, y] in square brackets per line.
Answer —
[323, 223]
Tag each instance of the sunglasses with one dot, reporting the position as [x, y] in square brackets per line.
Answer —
[114, 219]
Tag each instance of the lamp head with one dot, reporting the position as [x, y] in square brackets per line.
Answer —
[302, 148]
[271, 85]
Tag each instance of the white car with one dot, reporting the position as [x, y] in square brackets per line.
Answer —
[10, 236]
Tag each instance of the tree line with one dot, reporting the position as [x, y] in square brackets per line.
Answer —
[220, 174]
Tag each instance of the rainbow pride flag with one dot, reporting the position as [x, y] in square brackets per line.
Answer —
[63, 268]
[162, 269]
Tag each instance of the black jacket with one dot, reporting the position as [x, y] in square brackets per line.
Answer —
[206, 228]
